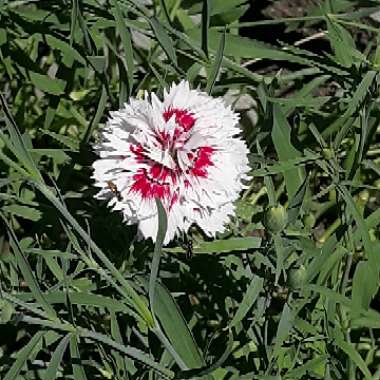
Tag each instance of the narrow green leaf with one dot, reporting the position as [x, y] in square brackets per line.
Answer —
[175, 327]
[52, 369]
[78, 369]
[283, 329]
[286, 151]
[365, 286]
[249, 299]
[164, 39]
[67, 141]
[354, 355]
[27, 271]
[342, 43]
[116, 335]
[66, 49]
[161, 232]
[126, 39]
[368, 246]
[44, 83]
[217, 64]
[137, 300]
[206, 10]
[295, 203]
[201, 372]
[306, 368]
[73, 21]
[129, 351]
[97, 116]
[98, 62]
[18, 146]
[22, 356]
[341, 125]
[22, 211]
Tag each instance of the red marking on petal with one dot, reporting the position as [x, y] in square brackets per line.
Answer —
[202, 162]
[138, 151]
[149, 187]
[160, 172]
[173, 200]
[182, 117]
[199, 172]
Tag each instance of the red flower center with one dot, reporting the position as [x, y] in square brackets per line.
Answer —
[161, 181]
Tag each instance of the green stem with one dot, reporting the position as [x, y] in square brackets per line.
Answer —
[330, 230]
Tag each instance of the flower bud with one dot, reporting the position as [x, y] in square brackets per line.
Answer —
[276, 218]
[327, 153]
[363, 197]
[297, 277]
[309, 220]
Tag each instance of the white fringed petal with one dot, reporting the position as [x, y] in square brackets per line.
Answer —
[184, 150]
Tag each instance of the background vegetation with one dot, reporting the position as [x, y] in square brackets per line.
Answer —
[290, 291]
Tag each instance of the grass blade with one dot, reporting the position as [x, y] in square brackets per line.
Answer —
[206, 10]
[78, 369]
[164, 39]
[27, 271]
[217, 64]
[126, 39]
[162, 227]
[127, 350]
[249, 299]
[175, 327]
[56, 358]
[23, 356]
[286, 151]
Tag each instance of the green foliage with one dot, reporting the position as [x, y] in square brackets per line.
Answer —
[289, 291]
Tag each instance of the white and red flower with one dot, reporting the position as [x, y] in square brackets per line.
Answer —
[185, 150]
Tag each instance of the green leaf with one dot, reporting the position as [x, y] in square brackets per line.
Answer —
[365, 285]
[17, 144]
[22, 356]
[217, 64]
[116, 335]
[295, 203]
[206, 10]
[341, 124]
[25, 212]
[127, 350]
[52, 369]
[201, 372]
[44, 83]
[65, 48]
[342, 43]
[349, 349]
[97, 116]
[232, 244]
[284, 327]
[126, 288]
[67, 141]
[127, 43]
[281, 133]
[6, 311]
[78, 369]
[249, 299]
[175, 327]
[98, 62]
[164, 39]
[161, 232]
[27, 272]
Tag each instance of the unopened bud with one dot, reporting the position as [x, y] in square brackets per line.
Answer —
[276, 219]
[297, 277]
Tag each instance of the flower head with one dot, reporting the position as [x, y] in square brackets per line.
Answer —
[184, 150]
